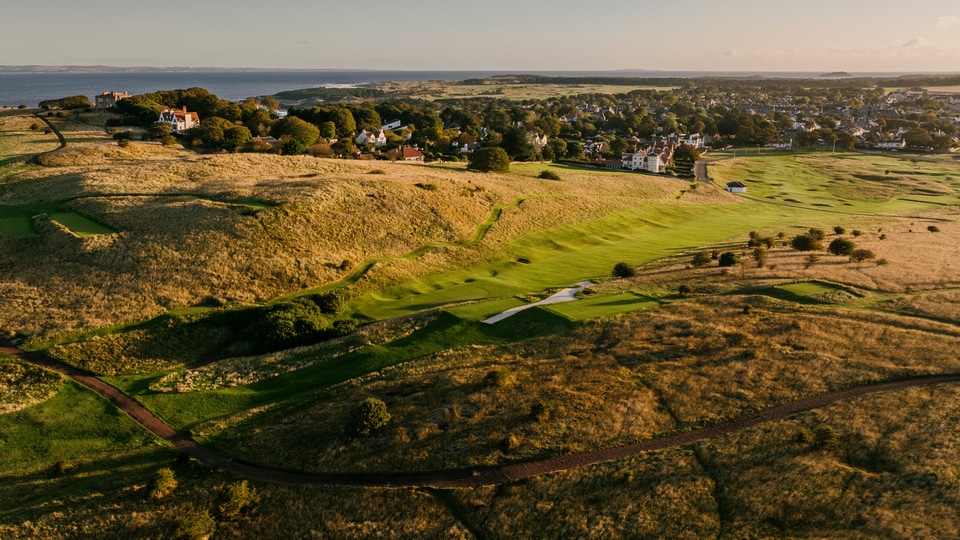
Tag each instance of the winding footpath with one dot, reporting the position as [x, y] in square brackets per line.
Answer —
[462, 478]
[565, 295]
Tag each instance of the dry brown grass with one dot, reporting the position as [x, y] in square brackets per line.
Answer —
[893, 473]
[174, 249]
[22, 385]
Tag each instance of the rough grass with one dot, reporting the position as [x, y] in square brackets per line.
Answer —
[22, 385]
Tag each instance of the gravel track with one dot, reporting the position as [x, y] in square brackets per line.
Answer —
[462, 478]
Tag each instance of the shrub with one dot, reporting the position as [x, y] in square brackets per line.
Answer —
[825, 436]
[624, 270]
[21, 106]
[841, 246]
[817, 234]
[882, 262]
[883, 237]
[549, 175]
[684, 290]
[933, 228]
[381, 171]
[235, 498]
[511, 442]
[856, 233]
[290, 324]
[428, 187]
[860, 255]
[163, 484]
[196, 525]
[729, 258]
[806, 242]
[760, 255]
[499, 377]
[61, 468]
[493, 159]
[35, 126]
[123, 143]
[370, 416]
[839, 230]
[540, 410]
[700, 259]
[331, 301]
[168, 140]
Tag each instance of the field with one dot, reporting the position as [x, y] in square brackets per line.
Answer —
[152, 264]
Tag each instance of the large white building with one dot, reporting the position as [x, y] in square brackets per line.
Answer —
[181, 120]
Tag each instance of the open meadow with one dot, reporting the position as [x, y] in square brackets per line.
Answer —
[152, 266]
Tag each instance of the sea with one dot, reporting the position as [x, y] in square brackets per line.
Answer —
[30, 88]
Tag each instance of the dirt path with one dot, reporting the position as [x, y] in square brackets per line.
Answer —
[63, 142]
[565, 295]
[463, 478]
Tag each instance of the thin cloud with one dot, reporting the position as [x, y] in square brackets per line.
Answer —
[947, 22]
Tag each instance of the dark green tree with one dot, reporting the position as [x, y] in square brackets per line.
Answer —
[493, 159]
[371, 414]
[841, 246]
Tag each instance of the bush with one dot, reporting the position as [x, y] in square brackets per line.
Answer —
[684, 290]
[168, 140]
[806, 242]
[860, 255]
[61, 468]
[370, 416]
[760, 255]
[540, 410]
[21, 106]
[729, 258]
[933, 228]
[549, 175]
[825, 436]
[499, 377]
[839, 230]
[492, 159]
[163, 484]
[380, 171]
[817, 234]
[700, 259]
[235, 498]
[290, 324]
[427, 187]
[196, 525]
[123, 143]
[331, 301]
[855, 233]
[624, 270]
[841, 246]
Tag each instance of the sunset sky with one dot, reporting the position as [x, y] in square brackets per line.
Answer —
[732, 35]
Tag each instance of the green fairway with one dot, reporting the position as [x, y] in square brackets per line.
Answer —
[587, 251]
[479, 311]
[79, 225]
[72, 424]
[603, 306]
[18, 226]
[843, 182]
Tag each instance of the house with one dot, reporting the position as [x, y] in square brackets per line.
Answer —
[181, 120]
[269, 140]
[781, 144]
[377, 139]
[408, 153]
[109, 99]
[537, 139]
[895, 144]
[643, 160]
[393, 124]
[736, 187]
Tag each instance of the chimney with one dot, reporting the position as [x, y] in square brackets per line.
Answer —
[184, 108]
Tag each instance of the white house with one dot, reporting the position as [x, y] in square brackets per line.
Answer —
[393, 124]
[378, 139]
[537, 139]
[736, 187]
[181, 120]
[643, 161]
[895, 144]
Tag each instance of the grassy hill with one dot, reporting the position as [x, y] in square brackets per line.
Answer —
[146, 265]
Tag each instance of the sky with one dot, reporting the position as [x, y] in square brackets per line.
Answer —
[508, 35]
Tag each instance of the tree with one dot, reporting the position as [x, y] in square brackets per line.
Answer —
[518, 145]
[860, 255]
[624, 270]
[371, 414]
[235, 136]
[729, 258]
[270, 103]
[328, 130]
[686, 152]
[493, 159]
[346, 124]
[841, 246]
[701, 258]
[805, 242]
[292, 127]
